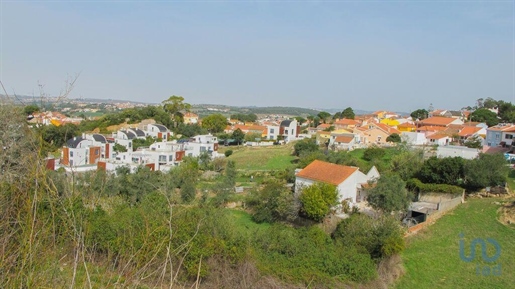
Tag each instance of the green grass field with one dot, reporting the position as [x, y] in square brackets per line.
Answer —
[261, 158]
[432, 258]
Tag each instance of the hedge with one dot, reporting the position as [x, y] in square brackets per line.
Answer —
[418, 186]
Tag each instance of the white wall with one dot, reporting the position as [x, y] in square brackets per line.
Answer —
[457, 151]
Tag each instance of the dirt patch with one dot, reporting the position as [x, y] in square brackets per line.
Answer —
[507, 213]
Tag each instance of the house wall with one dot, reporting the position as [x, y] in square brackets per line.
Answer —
[94, 155]
[493, 138]
[66, 156]
[414, 138]
[376, 135]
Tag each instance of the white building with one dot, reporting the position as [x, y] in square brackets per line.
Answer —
[349, 181]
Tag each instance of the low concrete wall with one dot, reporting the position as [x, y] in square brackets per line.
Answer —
[445, 203]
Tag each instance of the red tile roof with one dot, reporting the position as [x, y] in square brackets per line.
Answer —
[326, 172]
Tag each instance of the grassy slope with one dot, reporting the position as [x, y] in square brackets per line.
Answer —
[432, 256]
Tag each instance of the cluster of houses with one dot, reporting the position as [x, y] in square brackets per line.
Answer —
[93, 151]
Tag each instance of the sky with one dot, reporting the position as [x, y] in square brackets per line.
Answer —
[368, 55]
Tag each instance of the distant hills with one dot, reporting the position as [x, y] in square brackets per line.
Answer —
[202, 109]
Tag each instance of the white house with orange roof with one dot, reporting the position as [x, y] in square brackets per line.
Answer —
[349, 181]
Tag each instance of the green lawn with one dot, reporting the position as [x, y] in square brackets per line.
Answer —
[262, 158]
[432, 258]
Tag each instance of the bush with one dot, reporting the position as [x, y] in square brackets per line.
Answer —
[228, 153]
[373, 153]
[317, 200]
[381, 237]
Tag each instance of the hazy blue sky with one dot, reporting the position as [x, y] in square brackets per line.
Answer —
[394, 55]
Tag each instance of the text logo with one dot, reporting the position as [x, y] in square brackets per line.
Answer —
[482, 270]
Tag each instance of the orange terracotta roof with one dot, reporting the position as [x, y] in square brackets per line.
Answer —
[324, 132]
[502, 128]
[387, 129]
[326, 172]
[343, 139]
[323, 126]
[437, 120]
[438, 136]
[431, 128]
[469, 130]
[407, 124]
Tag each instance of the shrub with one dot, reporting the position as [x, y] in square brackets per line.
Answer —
[381, 237]
[228, 153]
[317, 200]
[373, 153]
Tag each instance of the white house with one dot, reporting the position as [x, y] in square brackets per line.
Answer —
[348, 180]
[439, 139]
[158, 131]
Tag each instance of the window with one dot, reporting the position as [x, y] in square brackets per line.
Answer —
[97, 152]
[130, 144]
[286, 131]
[71, 154]
[162, 159]
[271, 130]
[508, 136]
[170, 158]
[497, 136]
[203, 149]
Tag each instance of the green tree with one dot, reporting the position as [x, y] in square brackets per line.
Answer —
[230, 174]
[348, 113]
[490, 103]
[273, 202]
[337, 115]
[300, 120]
[214, 123]
[238, 135]
[252, 136]
[174, 105]
[407, 163]
[324, 116]
[484, 115]
[317, 200]
[373, 153]
[119, 148]
[30, 109]
[442, 171]
[486, 170]
[389, 194]
[305, 145]
[474, 141]
[419, 114]
[394, 137]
